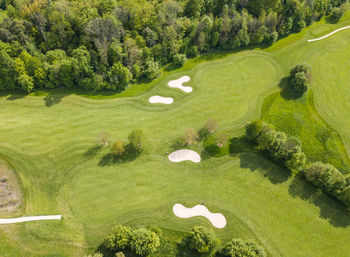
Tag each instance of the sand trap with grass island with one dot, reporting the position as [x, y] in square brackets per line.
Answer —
[30, 218]
[217, 219]
[330, 34]
[178, 84]
[156, 99]
[184, 155]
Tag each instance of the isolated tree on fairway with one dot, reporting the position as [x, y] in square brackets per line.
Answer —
[211, 125]
[189, 136]
[202, 239]
[136, 139]
[118, 148]
[300, 77]
[144, 241]
[221, 140]
[104, 138]
[240, 248]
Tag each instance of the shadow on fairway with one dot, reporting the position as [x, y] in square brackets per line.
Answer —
[92, 151]
[272, 171]
[286, 90]
[53, 99]
[129, 155]
[330, 209]
[239, 145]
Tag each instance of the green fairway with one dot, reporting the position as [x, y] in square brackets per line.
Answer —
[50, 140]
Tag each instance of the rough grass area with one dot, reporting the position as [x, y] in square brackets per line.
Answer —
[50, 139]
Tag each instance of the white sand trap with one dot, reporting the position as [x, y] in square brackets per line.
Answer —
[184, 155]
[217, 219]
[30, 218]
[160, 99]
[178, 84]
[330, 34]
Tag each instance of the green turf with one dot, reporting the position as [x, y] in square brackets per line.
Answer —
[50, 140]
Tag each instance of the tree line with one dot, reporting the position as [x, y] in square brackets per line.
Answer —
[287, 151]
[108, 44]
[146, 241]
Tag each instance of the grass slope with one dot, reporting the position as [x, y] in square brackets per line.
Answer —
[50, 141]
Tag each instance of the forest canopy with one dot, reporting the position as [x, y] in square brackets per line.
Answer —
[108, 44]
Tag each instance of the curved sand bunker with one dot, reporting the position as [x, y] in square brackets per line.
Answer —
[184, 155]
[30, 218]
[330, 34]
[160, 99]
[217, 219]
[178, 84]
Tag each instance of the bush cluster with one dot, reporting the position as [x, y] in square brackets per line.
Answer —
[140, 240]
[282, 149]
[299, 78]
[330, 180]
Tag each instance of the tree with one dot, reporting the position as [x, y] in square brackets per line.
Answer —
[253, 129]
[202, 239]
[267, 137]
[336, 14]
[152, 69]
[240, 248]
[189, 136]
[211, 125]
[299, 82]
[25, 82]
[193, 8]
[119, 239]
[144, 242]
[118, 148]
[297, 159]
[221, 140]
[136, 139]
[104, 138]
[119, 254]
[179, 59]
[119, 76]
[7, 71]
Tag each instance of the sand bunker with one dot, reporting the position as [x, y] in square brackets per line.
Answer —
[31, 218]
[217, 219]
[178, 84]
[160, 99]
[184, 155]
[330, 34]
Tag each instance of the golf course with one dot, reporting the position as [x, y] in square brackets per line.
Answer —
[49, 141]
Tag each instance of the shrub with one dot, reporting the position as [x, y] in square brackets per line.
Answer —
[189, 136]
[211, 125]
[300, 77]
[119, 239]
[144, 241]
[118, 148]
[179, 59]
[240, 248]
[202, 239]
[253, 129]
[136, 139]
[336, 14]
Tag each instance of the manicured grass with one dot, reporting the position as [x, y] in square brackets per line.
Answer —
[50, 140]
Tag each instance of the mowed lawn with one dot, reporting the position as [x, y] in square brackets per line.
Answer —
[51, 142]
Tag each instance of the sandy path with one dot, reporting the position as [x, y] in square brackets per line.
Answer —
[330, 34]
[217, 219]
[30, 218]
[184, 155]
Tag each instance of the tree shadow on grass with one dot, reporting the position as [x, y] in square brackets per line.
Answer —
[15, 97]
[286, 90]
[330, 209]
[92, 151]
[239, 145]
[129, 155]
[53, 99]
[272, 171]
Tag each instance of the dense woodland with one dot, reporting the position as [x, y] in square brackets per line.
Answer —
[108, 44]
